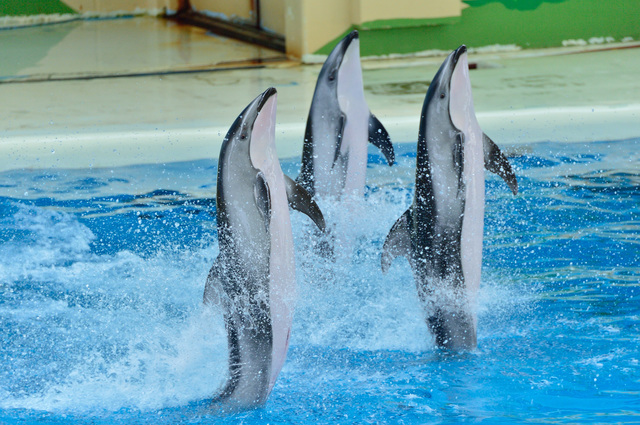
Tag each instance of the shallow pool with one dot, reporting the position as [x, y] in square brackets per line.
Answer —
[102, 272]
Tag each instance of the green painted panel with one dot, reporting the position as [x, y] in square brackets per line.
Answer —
[33, 7]
[491, 22]
[512, 4]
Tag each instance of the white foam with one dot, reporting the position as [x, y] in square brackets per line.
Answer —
[129, 332]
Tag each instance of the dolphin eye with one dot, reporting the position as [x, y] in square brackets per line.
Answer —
[332, 75]
[442, 95]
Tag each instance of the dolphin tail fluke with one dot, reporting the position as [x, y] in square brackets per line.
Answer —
[379, 137]
[300, 200]
[496, 162]
[398, 241]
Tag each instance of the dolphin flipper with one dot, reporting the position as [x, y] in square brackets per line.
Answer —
[342, 123]
[214, 285]
[379, 138]
[496, 162]
[300, 200]
[305, 178]
[398, 241]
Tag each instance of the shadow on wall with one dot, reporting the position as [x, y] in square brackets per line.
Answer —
[24, 48]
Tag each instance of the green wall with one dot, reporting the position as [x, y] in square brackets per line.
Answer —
[33, 7]
[526, 23]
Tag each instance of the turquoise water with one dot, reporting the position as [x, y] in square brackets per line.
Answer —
[102, 272]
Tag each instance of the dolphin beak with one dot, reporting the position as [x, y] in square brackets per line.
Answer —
[346, 42]
[264, 98]
[461, 99]
[458, 53]
[352, 36]
[263, 133]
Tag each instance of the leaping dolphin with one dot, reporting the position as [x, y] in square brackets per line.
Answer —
[253, 278]
[334, 157]
[441, 233]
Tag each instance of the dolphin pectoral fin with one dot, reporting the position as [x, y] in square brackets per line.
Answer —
[263, 199]
[379, 138]
[300, 200]
[398, 241]
[342, 123]
[213, 286]
[496, 162]
[305, 178]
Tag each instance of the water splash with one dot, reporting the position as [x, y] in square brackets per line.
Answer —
[101, 315]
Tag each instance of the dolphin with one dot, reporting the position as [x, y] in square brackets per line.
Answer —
[441, 232]
[334, 156]
[253, 277]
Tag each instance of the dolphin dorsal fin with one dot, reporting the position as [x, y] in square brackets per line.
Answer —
[300, 200]
[496, 162]
[379, 137]
[398, 241]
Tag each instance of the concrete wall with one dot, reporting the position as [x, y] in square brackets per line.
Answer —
[271, 11]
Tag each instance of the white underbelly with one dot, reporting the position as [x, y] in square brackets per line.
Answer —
[282, 276]
[473, 222]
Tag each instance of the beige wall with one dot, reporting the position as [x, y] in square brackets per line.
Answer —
[310, 24]
[232, 9]
[272, 15]
[374, 10]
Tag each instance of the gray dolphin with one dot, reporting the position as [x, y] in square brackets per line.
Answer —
[334, 157]
[253, 278]
[441, 233]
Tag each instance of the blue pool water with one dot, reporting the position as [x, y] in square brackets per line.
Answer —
[102, 272]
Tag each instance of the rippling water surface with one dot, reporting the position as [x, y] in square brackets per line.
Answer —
[102, 272]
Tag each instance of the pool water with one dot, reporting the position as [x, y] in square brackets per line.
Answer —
[102, 272]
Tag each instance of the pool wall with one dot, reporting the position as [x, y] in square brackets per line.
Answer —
[399, 27]
[106, 93]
